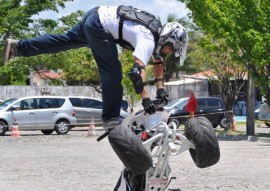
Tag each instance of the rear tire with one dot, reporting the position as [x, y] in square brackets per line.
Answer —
[47, 132]
[62, 127]
[224, 123]
[130, 149]
[267, 124]
[200, 131]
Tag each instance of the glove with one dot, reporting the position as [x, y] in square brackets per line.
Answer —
[148, 105]
[162, 95]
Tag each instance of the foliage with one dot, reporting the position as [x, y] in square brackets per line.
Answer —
[244, 24]
[16, 14]
[214, 55]
[126, 59]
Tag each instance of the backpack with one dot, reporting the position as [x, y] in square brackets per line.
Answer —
[142, 17]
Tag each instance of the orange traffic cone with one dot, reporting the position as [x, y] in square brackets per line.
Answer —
[15, 130]
[234, 124]
[91, 130]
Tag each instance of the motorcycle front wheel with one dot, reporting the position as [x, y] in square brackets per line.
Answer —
[200, 131]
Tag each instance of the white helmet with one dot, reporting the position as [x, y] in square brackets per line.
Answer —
[175, 35]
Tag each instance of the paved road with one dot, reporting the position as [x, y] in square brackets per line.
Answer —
[36, 162]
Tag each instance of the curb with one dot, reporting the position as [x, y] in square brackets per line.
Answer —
[243, 138]
[256, 139]
[226, 137]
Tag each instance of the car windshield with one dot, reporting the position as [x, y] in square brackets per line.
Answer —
[6, 103]
[178, 103]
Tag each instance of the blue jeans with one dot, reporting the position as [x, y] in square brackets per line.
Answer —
[89, 32]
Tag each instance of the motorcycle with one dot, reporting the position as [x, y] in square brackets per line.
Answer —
[161, 140]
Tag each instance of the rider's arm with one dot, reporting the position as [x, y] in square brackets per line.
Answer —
[159, 75]
[144, 93]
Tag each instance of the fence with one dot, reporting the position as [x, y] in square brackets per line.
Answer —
[7, 92]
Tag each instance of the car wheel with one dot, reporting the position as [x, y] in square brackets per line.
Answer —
[224, 123]
[47, 132]
[267, 124]
[176, 121]
[3, 128]
[62, 127]
[200, 131]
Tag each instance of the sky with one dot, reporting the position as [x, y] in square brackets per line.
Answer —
[160, 8]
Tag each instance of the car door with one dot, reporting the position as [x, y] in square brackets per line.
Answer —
[77, 104]
[24, 114]
[45, 113]
[214, 110]
[93, 108]
[201, 107]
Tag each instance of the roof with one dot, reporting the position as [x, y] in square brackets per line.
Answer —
[186, 79]
[48, 74]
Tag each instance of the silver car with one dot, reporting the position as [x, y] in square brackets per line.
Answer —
[88, 108]
[45, 113]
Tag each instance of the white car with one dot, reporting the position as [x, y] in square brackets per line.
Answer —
[45, 113]
[87, 108]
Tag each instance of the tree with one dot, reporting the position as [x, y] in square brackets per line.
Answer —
[16, 14]
[126, 59]
[244, 24]
[78, 65]
[215, 55]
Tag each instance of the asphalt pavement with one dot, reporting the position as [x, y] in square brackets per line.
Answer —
[35, 162]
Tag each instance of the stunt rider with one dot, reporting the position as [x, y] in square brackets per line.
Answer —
[101, 29]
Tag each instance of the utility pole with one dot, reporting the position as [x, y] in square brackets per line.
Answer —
[250, 106]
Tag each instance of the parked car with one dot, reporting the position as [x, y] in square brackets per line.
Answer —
[210, 107]
[264, 118]
[45, 113]
[87, 107]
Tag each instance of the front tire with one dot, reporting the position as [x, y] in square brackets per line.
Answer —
[3, 128]
[62, 127]
[200, 131]
[47, 132]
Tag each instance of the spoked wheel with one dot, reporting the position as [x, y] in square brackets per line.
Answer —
[62, 127]
[200, 131]
[224, 123]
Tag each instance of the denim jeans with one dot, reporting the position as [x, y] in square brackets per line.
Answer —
[89, 32]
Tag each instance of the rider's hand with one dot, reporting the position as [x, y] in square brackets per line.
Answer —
[162, 95]
[148, 105]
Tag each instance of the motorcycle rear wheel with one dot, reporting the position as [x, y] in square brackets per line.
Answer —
[129, 148]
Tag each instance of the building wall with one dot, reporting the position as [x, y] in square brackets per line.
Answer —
[7, 92]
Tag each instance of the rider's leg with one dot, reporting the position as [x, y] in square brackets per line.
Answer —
[105, 52]
[48, 43]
